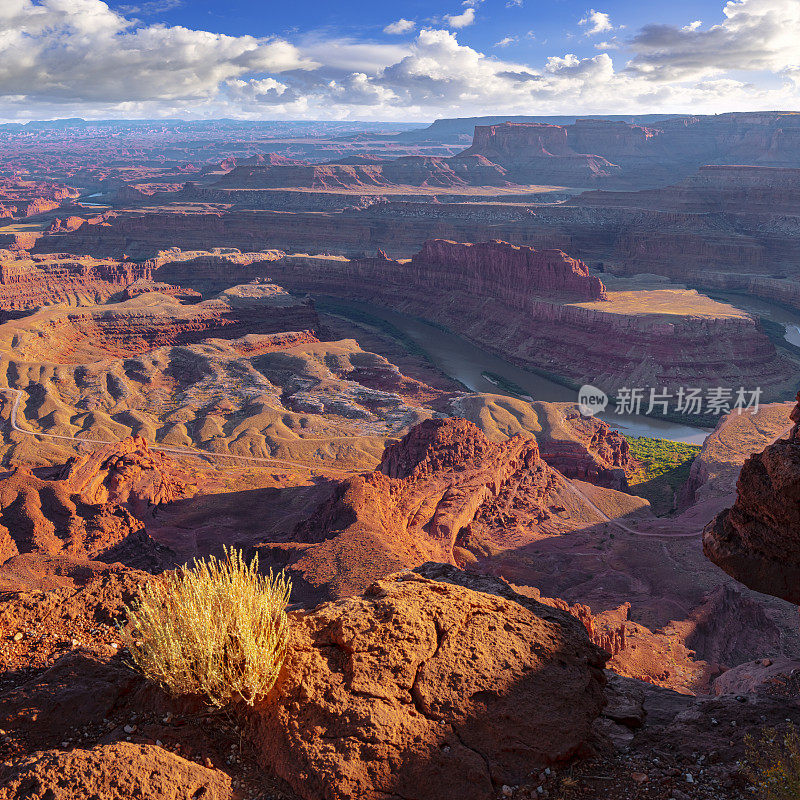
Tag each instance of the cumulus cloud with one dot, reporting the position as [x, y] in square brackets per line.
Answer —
[67, 50]
[466, 17]
[82, 58]
[401, 26]
[596, 22]
[754, 35]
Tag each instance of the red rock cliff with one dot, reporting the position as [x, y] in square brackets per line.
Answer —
[757, 541]
[443, 475]
[503, 270]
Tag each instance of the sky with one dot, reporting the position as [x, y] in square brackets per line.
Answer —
[408, 60]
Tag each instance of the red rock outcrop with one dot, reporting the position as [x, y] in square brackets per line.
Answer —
[424, 688]
[516, 275]
[26, 198]
[459, 171]
[648, 155]
[93, 507]
[766, 677]
[113, 772]
[757, 541]
[128, 473]
[258, 160]
[30, 281]
[65, 225]
[421, 171]
[149, 321]
[579, 447]
[143, 286]
[507, 272]
[442, 477]
[538, 153]
[604, 459]
[308, 176]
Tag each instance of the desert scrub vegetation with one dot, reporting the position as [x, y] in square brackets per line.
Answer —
[663, 468]
[218, 628]
[773, 763]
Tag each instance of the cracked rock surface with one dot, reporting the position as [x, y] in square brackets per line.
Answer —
[424, 688]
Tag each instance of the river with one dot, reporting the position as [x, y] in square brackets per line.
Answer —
[470, 365]
[783, 315]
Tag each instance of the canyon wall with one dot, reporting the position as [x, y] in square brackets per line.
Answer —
[619, 154]
[680, 244]
[714, 189]
[29, 281]
[150, 321]
[757, 541]
[466, 170]
[503, 271]
[535, 325]
[538, 153]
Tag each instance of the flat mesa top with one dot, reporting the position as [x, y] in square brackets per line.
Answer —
[664, 303]
[405, 189]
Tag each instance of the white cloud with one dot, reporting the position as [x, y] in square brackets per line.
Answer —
[401, 26]
[754, 35]
[350, 55]
[506, 41]
[692, 26]
[65, 50]
[514, 4]
[596, 22]
[80, 58]
[466, 17]
[150, 7]
[610, 44]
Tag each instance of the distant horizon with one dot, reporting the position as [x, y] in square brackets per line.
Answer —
[386, 122]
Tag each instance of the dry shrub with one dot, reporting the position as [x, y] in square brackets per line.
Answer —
[218, 628]
[773, 763]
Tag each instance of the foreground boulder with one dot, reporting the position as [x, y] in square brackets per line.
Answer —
[423, 688]
[757, 541]
[113, 772]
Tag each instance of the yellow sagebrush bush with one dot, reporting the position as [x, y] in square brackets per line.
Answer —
[773, 763]
[218, 628]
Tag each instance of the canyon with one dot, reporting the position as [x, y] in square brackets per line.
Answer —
[495, 594]
[747, 243]
[555, 316]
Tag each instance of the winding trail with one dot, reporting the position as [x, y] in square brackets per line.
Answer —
[183, 451]
[205, 454]
[663, 534]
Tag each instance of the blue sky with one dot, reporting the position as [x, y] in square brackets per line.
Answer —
[412, 60]
[553, 23]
